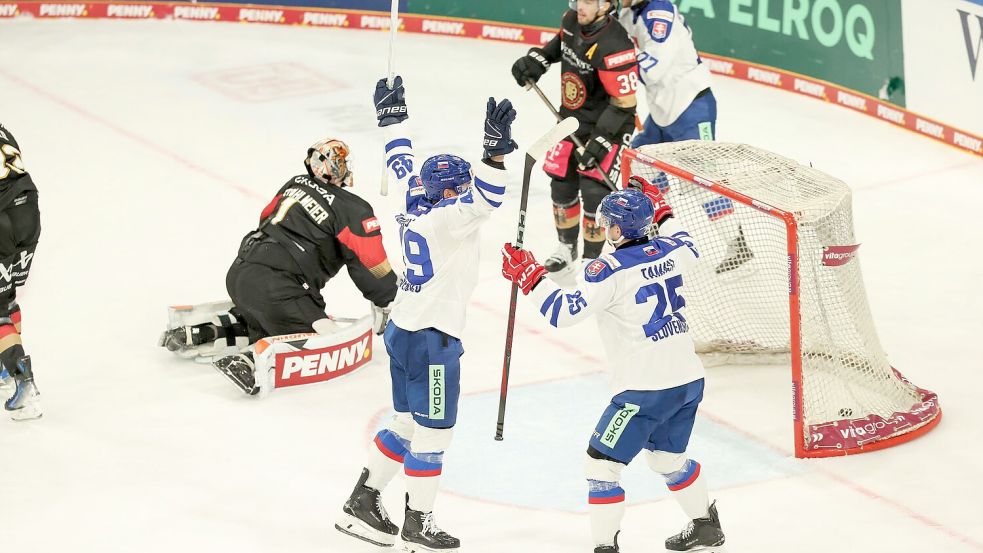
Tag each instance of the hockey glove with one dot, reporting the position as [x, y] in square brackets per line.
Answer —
[390, 104]
[530, 67]
[498, 128]
[380, 317]
[520, 267]
[654, 191]
[594, 152]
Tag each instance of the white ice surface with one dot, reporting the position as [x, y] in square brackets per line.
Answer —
[150, 173]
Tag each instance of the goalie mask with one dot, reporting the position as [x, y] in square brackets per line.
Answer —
[327, 162]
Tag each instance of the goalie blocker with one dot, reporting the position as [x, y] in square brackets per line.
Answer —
[273, 362]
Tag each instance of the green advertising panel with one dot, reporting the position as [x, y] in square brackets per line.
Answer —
[853, 43]
[545, 13]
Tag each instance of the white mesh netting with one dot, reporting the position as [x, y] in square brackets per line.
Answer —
[738, 299]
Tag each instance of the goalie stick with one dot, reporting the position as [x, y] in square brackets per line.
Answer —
[576, 141]
[393, 27]
[564, 128]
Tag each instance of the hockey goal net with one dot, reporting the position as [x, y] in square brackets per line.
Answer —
[780, 281]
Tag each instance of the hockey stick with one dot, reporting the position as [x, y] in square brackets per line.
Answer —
[393, 27]
[576, 141]
[535, 152]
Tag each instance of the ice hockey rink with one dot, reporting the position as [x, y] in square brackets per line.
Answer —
[155, 144]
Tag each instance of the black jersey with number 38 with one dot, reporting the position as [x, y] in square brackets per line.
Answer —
[595, 68]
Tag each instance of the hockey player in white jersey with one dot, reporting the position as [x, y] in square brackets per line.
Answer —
[446, 204]
[681, 104]
[677, 82]
[637, 293]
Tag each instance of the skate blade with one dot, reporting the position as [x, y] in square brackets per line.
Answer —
[410, 547]
[355, 528]
[705, 549]
[26, 413]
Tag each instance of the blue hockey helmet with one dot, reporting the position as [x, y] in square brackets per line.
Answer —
[444, 171]
[630, 209]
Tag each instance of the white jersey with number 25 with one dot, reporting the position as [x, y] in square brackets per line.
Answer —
[639, 297]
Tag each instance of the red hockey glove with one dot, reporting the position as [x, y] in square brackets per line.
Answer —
[662, 208]
[520, 267]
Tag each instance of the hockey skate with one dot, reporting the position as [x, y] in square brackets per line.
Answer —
[562, 258]
[364, 517]
[421, 535]
[240, 369]
[6, 381]
[738, 253]
[700, 534]
[25, 404]
[609, 548]
[184, 338]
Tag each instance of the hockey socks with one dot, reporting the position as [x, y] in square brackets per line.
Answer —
[689, 489]
[606, 506]
[423, 476]
[386, 457]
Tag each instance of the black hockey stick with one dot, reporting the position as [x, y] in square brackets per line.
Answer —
[564, 128]
[576, 141]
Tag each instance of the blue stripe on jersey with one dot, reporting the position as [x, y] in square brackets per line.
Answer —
[499, 190]
[634, 256]
[481, 190]
[397, 143]
[555, 310]
[548, 302]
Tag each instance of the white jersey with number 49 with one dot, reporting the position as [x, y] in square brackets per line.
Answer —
[440, 244]
[639, 296]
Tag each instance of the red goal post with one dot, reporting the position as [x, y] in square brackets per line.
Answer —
[780, 282]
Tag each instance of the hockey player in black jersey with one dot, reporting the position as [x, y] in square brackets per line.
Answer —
[20, 227]
[598, 82]
[311, 229]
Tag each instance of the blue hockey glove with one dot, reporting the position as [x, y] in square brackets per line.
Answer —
[390, 104]
[498, 128]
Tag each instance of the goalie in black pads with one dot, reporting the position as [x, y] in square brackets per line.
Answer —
[20, 227]
[306, 234]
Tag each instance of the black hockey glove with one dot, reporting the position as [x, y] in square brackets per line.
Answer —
[498, 128]
[530, 67]
[390, 104]
[594, 152]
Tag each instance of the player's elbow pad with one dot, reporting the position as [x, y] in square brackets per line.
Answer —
[613, 121]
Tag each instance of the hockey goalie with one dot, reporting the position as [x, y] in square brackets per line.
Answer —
[274, 332]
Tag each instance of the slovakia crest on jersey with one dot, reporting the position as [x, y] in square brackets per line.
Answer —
[651, 250]
[660, 29]
[595, 268]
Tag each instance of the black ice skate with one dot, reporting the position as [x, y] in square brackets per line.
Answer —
[186, 337]
[364, 517]
[699, 534]
[562, 258]
[25, 404]
[241, 370]
[609, 548]
[738, 253]
[421, 535]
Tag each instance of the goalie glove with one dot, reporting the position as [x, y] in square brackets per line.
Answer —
[498, 128]
[530, 67]
[380, 318]
[521, 267]
[653, 190]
